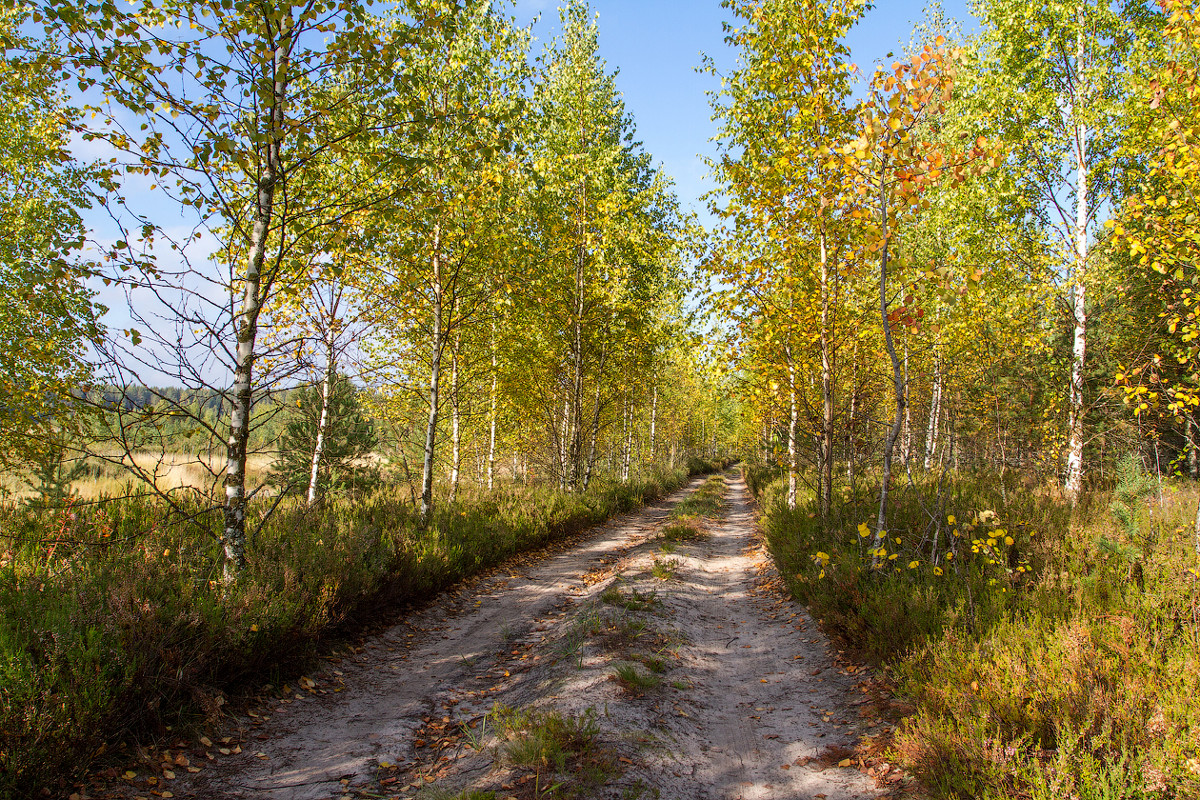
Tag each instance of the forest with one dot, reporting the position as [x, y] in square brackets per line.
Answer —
[315, 309]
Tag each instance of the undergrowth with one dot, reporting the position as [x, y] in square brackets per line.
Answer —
[1049, 652]
[115, 623]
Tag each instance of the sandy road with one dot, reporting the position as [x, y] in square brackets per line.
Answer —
[365, 709]
[766, 693]
[751, 693]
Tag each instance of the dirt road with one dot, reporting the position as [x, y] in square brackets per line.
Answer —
[633, 665]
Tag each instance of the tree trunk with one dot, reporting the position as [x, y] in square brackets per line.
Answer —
[435, 370]
[455, 422]
[793, 423]
[1192, 461]
[595, 426]
[564, 446]
[628, 437]
[576, 400]
[654, 417]
[932, 433]
[1073, 483]
[491, 456]
[322, 427]
[233, 536]
[906, 437]
[850, 449]
[827, 399]
[897, 375]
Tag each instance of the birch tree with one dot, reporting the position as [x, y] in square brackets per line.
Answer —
[1055, 86]
[48, 316]
[435, 243]
[605, 230]
[221, 107]
[788, 98]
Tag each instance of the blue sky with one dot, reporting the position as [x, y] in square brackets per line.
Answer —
[656, 45]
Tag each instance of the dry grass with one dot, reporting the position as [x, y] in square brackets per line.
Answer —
[111, 475]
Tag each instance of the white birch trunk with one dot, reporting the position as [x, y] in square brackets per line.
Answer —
[827, 366]
[491, 456]
[628, 438]
[1073, 483]
[564, 446]
[654, 418]
[435, 370]
[897, 375]
[455, 424]
[850, 454]
[906, 437]
[595, 425]
[1074, 477]
[322, 426]
[933, 433]
[1192, 461]
[793, 422]
[233, 536]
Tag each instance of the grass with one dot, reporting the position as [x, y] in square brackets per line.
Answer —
[684, 525]
[563, 750]
[635, 601]
[706, 501]
[115, 624]
[664, 569]
[435, 793]
[1048, 652]
[109, 475]
[677, 532]
[633, 679]
[653, 663]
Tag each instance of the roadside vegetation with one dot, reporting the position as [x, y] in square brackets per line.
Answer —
[116, 621]
[1049, 652]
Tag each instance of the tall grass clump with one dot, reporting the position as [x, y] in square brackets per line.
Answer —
[115, 621]
[1049, 652]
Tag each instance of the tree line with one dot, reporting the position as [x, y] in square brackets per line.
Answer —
[980, 255]
[315, 191]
